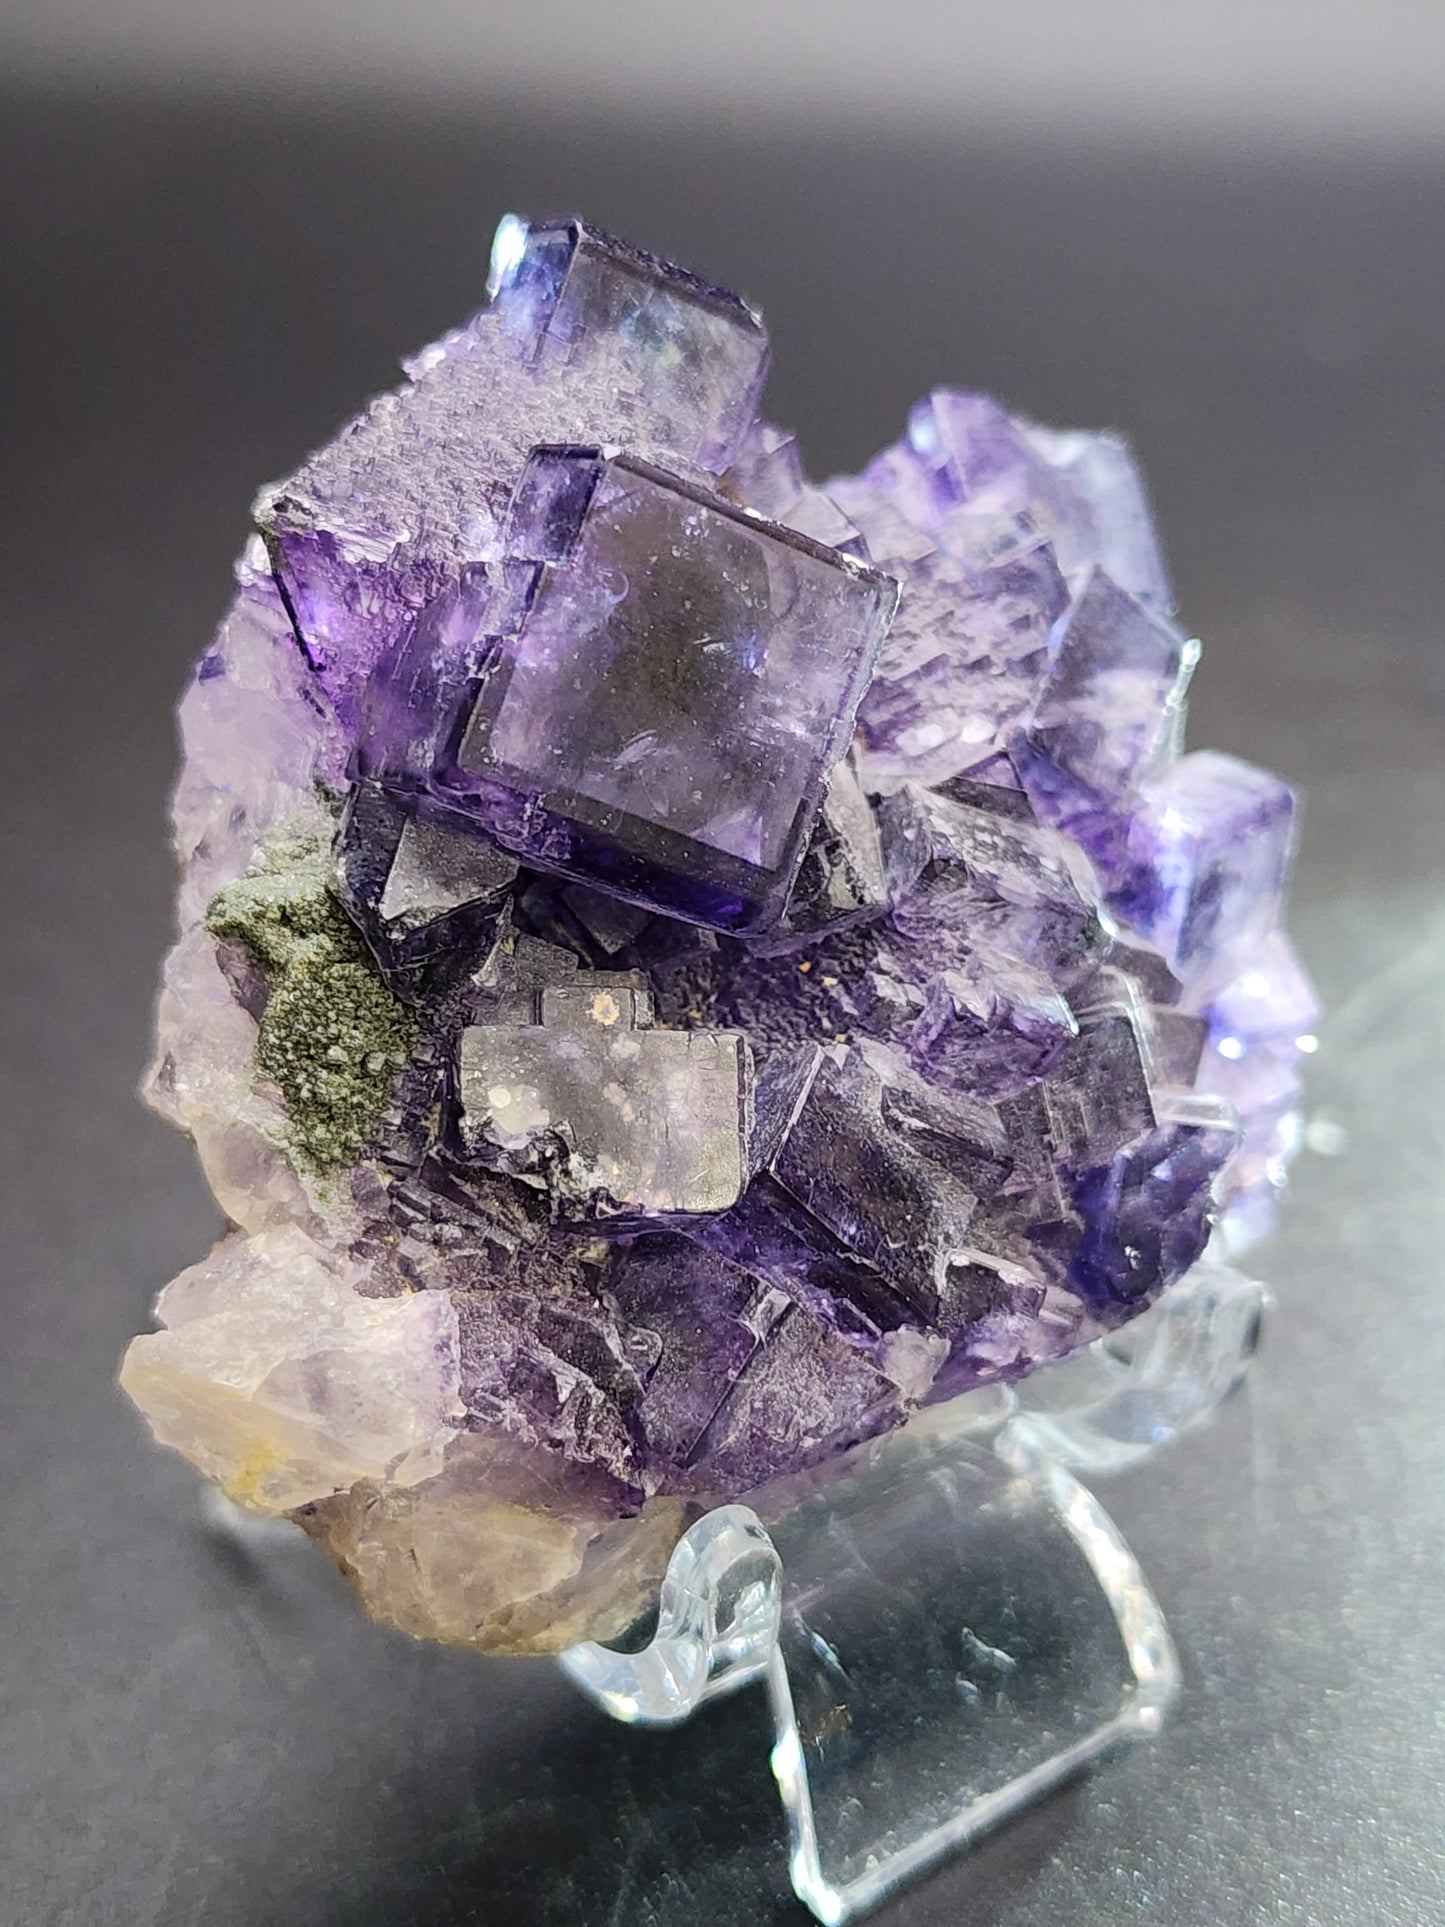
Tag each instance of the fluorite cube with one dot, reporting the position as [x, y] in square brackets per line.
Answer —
[976, 459]
[663, 720]
[989, 1025]
[1107, 713]
[804, 1394]
[560, 286]
[412, 694]
[1101, 513]
[1208, 854]
[423, 893]
[841, 880]
[613, 1116]
[1269, 1001]
[965, 878]
[1148, 1212]
[709, 1319]
[960, 664]
[1260, 1024]
[1082, 492]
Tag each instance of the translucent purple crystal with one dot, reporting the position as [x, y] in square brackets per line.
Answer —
[1207, 857]
[586, 340]
[682, 677]
[1259, 1027]
[682, 967]
[983, 470]
[1106, 713]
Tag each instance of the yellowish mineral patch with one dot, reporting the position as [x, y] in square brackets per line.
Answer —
[497, 1555]
[277, 1379]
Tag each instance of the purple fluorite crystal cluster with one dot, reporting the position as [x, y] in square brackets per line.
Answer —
[680, 968]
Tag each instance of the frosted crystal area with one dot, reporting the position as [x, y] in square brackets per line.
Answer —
[680, 968]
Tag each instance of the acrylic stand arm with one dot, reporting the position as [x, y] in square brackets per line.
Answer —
[953, 1626]
[717, 1626]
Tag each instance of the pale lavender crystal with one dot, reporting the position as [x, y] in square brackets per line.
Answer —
[1107, 713]
[1083, 493]
[565, 290]
[1207, 856]
[970, 639]
[960, 666]
[256, 735]
[1260, 1026]
[966, 879]
[768, 475]
[1269, 999]
[1101, 515]
[1179, 1043]
[651, 1024]
[989, 521]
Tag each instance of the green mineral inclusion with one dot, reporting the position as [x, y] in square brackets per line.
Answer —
[332, 1036]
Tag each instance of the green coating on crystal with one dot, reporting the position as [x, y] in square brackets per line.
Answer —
[332, 1035]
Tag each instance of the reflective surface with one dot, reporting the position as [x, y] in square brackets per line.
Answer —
[1113, 1403]
[946, 1634]
[193, 296]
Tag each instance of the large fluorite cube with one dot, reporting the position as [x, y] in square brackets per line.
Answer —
[663, 720]
[615, 1117]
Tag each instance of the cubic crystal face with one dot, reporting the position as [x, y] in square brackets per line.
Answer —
[563, 287]
[421, 893]
[663, 721]
[587, 341]
[681, 967]
[1106, 712]
[980, 469]
[1208, 855]
[639, 1120]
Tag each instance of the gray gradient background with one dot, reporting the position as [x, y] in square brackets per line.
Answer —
[218, 228]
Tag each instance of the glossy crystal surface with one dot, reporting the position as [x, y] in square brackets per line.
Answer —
[944, 1634]
[711, 965]
[682, 678]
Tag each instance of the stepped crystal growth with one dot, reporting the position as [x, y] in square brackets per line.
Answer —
[678, 967]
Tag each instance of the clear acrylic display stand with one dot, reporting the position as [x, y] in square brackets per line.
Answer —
[947, 1627]
[953, 1625]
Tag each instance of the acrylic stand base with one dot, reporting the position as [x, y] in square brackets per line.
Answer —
[952, 1627]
